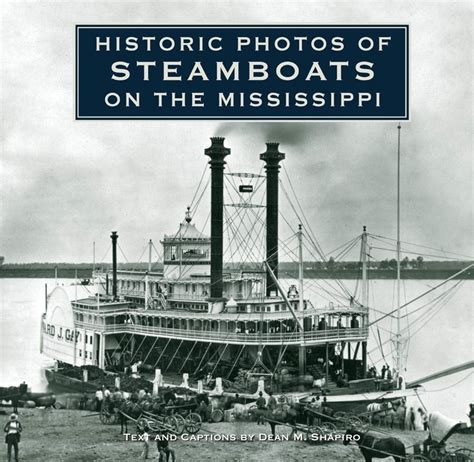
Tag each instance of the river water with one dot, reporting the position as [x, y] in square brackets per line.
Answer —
[442, 336]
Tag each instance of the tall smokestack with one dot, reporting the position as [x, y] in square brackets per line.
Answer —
[272, 157]
[114, 237]
[217, 152]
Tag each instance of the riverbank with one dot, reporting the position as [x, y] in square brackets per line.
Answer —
[79, 436]
[431, 270]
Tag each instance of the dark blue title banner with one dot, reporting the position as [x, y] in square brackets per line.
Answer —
[242, 72]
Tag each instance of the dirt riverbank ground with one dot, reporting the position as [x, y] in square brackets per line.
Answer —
[62, 435]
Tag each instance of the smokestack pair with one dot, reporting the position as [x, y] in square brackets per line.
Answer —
[272, 157]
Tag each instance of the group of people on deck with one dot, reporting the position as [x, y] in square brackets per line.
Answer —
[386, 373]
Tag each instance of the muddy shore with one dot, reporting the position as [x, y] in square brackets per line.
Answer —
[64, 435]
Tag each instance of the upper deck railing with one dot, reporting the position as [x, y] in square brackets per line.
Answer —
[310, 337]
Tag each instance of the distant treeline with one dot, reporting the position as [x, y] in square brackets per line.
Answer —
[385, 269]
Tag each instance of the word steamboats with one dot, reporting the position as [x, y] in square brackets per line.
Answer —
[239, 323]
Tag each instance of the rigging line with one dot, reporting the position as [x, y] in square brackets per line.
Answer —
[257, 240]
[332, 298]
[442, 304]
[357, 238]
[427, 292]
[356, 288]
[344, 252]
[318, 284]
[199, 185]
[227, 228]
[425, 247]
[406, 308]
[258, 218]
[344, 289]
[302, 211]
[433, 313]
[141, 256]
[123, 254]
[238, 239]
[379, 346]
[313, 283]
[380, 342]
[450, 386]
[337, 281]
[316, 246]
[106, 253]
[198, 202]
[158, 254]
[243, 240]
[205, 222]
[434, 300]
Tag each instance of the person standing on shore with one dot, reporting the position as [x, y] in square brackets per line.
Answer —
[12, 429]
[401, 415]
[411, 424]
[99, 397]
[272, 402]
[424, 419]
[261, 408]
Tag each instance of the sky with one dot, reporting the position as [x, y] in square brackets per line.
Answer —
[65, 183]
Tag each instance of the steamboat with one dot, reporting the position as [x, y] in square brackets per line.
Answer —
[240, 323]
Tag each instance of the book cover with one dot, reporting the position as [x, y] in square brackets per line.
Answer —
[236, 230]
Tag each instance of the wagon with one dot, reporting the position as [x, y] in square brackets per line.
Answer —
[157, 417]
[188, 420]
[434, 447]
[339, 420]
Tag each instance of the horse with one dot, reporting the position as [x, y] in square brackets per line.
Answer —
[284, 414]
[384, 413]
[401, 413]
[371, 446]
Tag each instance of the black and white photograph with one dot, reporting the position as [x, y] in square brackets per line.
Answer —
[236, 230]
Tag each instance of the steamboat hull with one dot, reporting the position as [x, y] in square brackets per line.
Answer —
[55, 378]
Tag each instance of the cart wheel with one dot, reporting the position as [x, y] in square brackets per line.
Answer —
[181, 423]
[328, 427]
[193, 423]
[154, 425]
[106, 417]
[353, 421]
[433, 454]
[171, 424]
[464, 455]
[315, 430]
[217, 415]
[450, 458]
[313, 433]
[417, 458]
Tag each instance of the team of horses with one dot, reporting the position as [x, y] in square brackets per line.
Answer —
[371, 444]
[298, 417]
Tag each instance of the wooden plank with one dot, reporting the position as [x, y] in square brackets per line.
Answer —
[442, 373]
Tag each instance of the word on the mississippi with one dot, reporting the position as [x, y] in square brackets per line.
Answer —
[242, 72]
